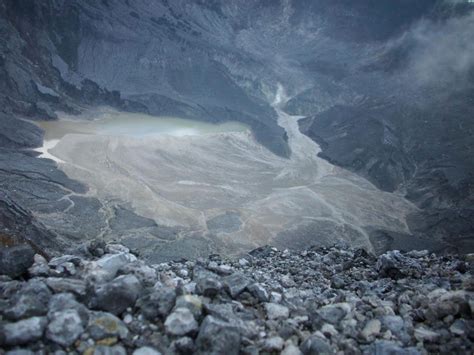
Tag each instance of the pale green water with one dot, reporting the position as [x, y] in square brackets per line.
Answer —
[132, 124]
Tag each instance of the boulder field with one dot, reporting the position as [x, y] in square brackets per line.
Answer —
[102, 299]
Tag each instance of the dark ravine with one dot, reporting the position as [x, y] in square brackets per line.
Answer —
[352, 68]
[102, 299]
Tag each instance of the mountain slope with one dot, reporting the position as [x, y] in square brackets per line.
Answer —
[389, 97]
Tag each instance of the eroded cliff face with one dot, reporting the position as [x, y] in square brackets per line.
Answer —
[34, 35]
[354, 69]
[411, 111]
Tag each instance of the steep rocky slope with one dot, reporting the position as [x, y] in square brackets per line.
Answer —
[376, 100]
[411, 112]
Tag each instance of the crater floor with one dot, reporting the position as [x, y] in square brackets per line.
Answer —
[221, 191]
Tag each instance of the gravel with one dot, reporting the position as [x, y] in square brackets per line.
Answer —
[321, 300]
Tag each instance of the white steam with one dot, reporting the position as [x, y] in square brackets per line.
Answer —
[443, 53]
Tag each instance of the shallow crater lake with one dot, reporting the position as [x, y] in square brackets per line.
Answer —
[113, 123]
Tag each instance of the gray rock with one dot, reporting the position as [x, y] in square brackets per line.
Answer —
[20, 352]
[449, 303]
[337, 282]
[104, 325]
[66, 301]
[146, 274]
[397, 326]
[65, 269]
[417, 253]
[235, 283]
[315, 346]
[60, 285]
[31, 300]
[40, 267]
[383, 347]
[146, 350]
[291, 349]
[424, 334]
[9, 289]
[372, 328]
[276, 311]
[128, 318]
[273, 344]
[184, 345]
[24, 331]
[287, 282]
[395, 265]
[208, 286]
[65, 259]
[329, 330]
[441, 309]
[218, 337]
[225, 269]
[334, 313]
[191, 302]
[65, 327]
[116, 249]
[251, 350]
[459, 327]
[181, 322]
[262, 252]
[243, 262]
[275, 297]
[225, 311]
[158, 303]
[94, 274]
[117, 295]
[259, 292]
[16, 260]
[113, 262]
[109, 350]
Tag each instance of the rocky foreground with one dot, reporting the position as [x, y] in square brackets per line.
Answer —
[102, 299]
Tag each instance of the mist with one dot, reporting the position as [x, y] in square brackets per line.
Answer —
[443, 51]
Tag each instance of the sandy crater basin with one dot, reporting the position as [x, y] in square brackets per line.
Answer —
[217, 186]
